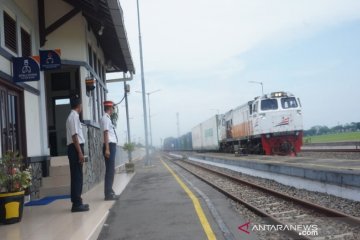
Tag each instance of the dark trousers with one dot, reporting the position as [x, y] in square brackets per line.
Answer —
[76, 173]
[110, 169]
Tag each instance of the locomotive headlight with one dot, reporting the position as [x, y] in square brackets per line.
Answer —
[278, 94]
[297, 133]
[267, 135]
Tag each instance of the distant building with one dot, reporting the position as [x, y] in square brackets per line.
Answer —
[92, 38]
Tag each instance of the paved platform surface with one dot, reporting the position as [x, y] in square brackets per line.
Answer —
[154, 206]
[56, 222]
[343, 172]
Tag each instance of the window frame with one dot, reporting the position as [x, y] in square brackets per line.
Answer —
[256, 107]
[95, 62]
[13, 17]
[24, 29]
[283, 103]
[90, 55]
[269, 109]
[17, 113]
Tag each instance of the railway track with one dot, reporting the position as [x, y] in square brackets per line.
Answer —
[279, 208]
[330, 150]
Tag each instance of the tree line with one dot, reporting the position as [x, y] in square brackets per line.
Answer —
[321, 130]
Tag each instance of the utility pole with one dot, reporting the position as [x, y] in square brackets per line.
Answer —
[148, 94]
[147, 157]
[126, 90]
[262, 86]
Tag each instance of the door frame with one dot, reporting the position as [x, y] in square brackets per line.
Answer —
[12, 89]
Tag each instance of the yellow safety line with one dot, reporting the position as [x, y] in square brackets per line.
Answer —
[199, 211]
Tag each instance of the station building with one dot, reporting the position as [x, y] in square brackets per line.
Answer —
[92, 40]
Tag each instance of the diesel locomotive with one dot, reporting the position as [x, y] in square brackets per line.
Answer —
[270, 124]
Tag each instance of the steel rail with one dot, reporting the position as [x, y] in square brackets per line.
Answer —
[290, 233]
[320, 209]
[327, 211]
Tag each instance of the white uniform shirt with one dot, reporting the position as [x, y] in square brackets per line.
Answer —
[73, 126]
[106, 125]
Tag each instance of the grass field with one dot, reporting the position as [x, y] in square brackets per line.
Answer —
[337, 137]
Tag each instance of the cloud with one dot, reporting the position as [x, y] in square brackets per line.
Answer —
[190, 35]
[203, 53]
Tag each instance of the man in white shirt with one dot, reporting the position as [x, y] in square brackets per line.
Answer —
[75, 147]
[109, 150]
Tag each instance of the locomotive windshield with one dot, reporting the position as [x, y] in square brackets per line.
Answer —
[269, 104]
[289, 102]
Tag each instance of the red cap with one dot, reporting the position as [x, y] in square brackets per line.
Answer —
[108, 103]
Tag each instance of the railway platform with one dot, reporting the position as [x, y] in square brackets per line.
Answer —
[160, 204]
[54, 221]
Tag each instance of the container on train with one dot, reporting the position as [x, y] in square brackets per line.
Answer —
[206, 135]
[185, 142]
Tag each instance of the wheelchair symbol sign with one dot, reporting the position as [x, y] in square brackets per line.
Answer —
[50, 59]
[26, 69]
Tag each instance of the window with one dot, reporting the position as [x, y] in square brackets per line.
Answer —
[102, 98]
[9, 121]
[99, 68]
[269, 104]
[103, 73]
[96, 103]
[25, 43]
[94, 106]
[10, 32]
[98, 100]
[289, 102]
[90, 55]
[95, 62]
[62, 101]
[255, 109]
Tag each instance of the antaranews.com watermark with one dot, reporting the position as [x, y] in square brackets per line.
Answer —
[302, 229]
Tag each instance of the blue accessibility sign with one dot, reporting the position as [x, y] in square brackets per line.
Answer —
[26, 69]
[50, 59]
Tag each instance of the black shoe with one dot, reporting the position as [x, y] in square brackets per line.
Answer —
[80, 208]
[112, 197]
[86, 205]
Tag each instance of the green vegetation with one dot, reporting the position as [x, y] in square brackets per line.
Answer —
[334, 137]
[130, 147]
[340, 133]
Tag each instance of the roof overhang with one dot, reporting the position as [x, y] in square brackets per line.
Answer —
[108, 16]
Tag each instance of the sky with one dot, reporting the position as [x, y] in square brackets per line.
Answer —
[202, 54]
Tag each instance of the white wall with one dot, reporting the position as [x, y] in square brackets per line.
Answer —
[5, 65]
[72, 38]
[33, 126]
[25, 14]
[29, 8]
